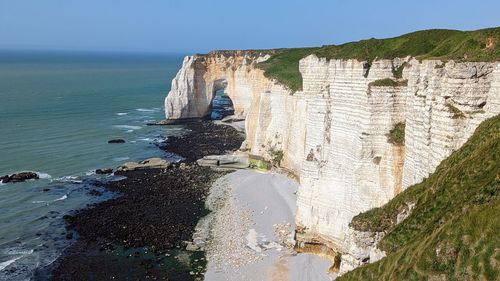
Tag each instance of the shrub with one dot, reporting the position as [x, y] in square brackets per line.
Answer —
[397, 72]
[456, 113]
[397, 134]
[277, 156]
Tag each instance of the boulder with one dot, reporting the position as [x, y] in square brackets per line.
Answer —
[151, 163]
[116, 141]
[19, 177]
[104, 171]
[191, 247]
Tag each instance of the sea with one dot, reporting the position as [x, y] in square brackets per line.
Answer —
[57, 112]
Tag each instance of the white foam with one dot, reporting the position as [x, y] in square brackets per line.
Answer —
[73, 179]
[119, 159]
[44, 176]
[16, 251]
[90, 173]
[22, 253]
[145, 139]
[121, 113]
[4, 264]
[64, 197]
[148, 109]
[127, 127]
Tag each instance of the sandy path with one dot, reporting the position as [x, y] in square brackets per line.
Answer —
[249, 236]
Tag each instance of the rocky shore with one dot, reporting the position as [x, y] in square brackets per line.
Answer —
[205, 138]
[142, 233]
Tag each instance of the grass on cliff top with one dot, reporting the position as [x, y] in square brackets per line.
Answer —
[479, 45]
[453, 231]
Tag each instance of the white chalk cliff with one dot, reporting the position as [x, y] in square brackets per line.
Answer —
[334, 132]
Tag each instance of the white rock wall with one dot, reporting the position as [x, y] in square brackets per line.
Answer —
[334, 132]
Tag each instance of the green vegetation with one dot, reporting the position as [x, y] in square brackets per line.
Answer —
[398, 71]
[277, 156]
[479, 45]
[455, 111]
[257, 162]
[387, 82]
[397, 134]
[453, 231]
[284, 67]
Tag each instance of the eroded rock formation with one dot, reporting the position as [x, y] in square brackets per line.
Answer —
[334, 132]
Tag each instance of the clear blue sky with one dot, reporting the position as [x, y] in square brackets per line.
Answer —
[189, 26]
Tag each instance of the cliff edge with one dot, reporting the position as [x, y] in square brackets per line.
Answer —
[355, 128]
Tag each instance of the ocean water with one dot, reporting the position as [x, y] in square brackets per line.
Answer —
[57, 112]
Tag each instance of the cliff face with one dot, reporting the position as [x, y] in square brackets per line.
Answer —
[334, 133]
[194, 86]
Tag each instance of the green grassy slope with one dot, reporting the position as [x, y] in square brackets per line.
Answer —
[479, 45]
[454, 230]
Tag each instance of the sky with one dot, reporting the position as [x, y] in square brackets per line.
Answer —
[198, 26]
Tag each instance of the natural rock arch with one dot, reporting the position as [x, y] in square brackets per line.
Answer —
[221, 104]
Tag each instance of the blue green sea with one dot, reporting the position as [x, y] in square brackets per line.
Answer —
[57, 112]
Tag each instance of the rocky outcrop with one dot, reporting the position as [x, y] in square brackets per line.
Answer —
[151, 163]
[333, 134]
[194, 86]
[19, 177]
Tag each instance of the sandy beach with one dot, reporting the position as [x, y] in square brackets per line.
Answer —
[249, 234]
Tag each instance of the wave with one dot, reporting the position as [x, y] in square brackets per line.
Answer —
[90, 173]
[16, 251]
[70, 179]
[119, 159]
[127, 127]
[154, 109]
[22, 254]
[64, 197]
[44, 176]
[4, 264]
[121, 113]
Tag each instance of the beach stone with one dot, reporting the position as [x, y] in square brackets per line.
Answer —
[190, 246]
[19, 177]
[103, 171]
[151, 163]
[116, 141]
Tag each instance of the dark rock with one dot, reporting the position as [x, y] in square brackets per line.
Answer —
[116, 141]
[69, 236]
[104, 171]
[204, 138]
[95, 192]
[20, 177]
[157, 208]
[46, 189]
